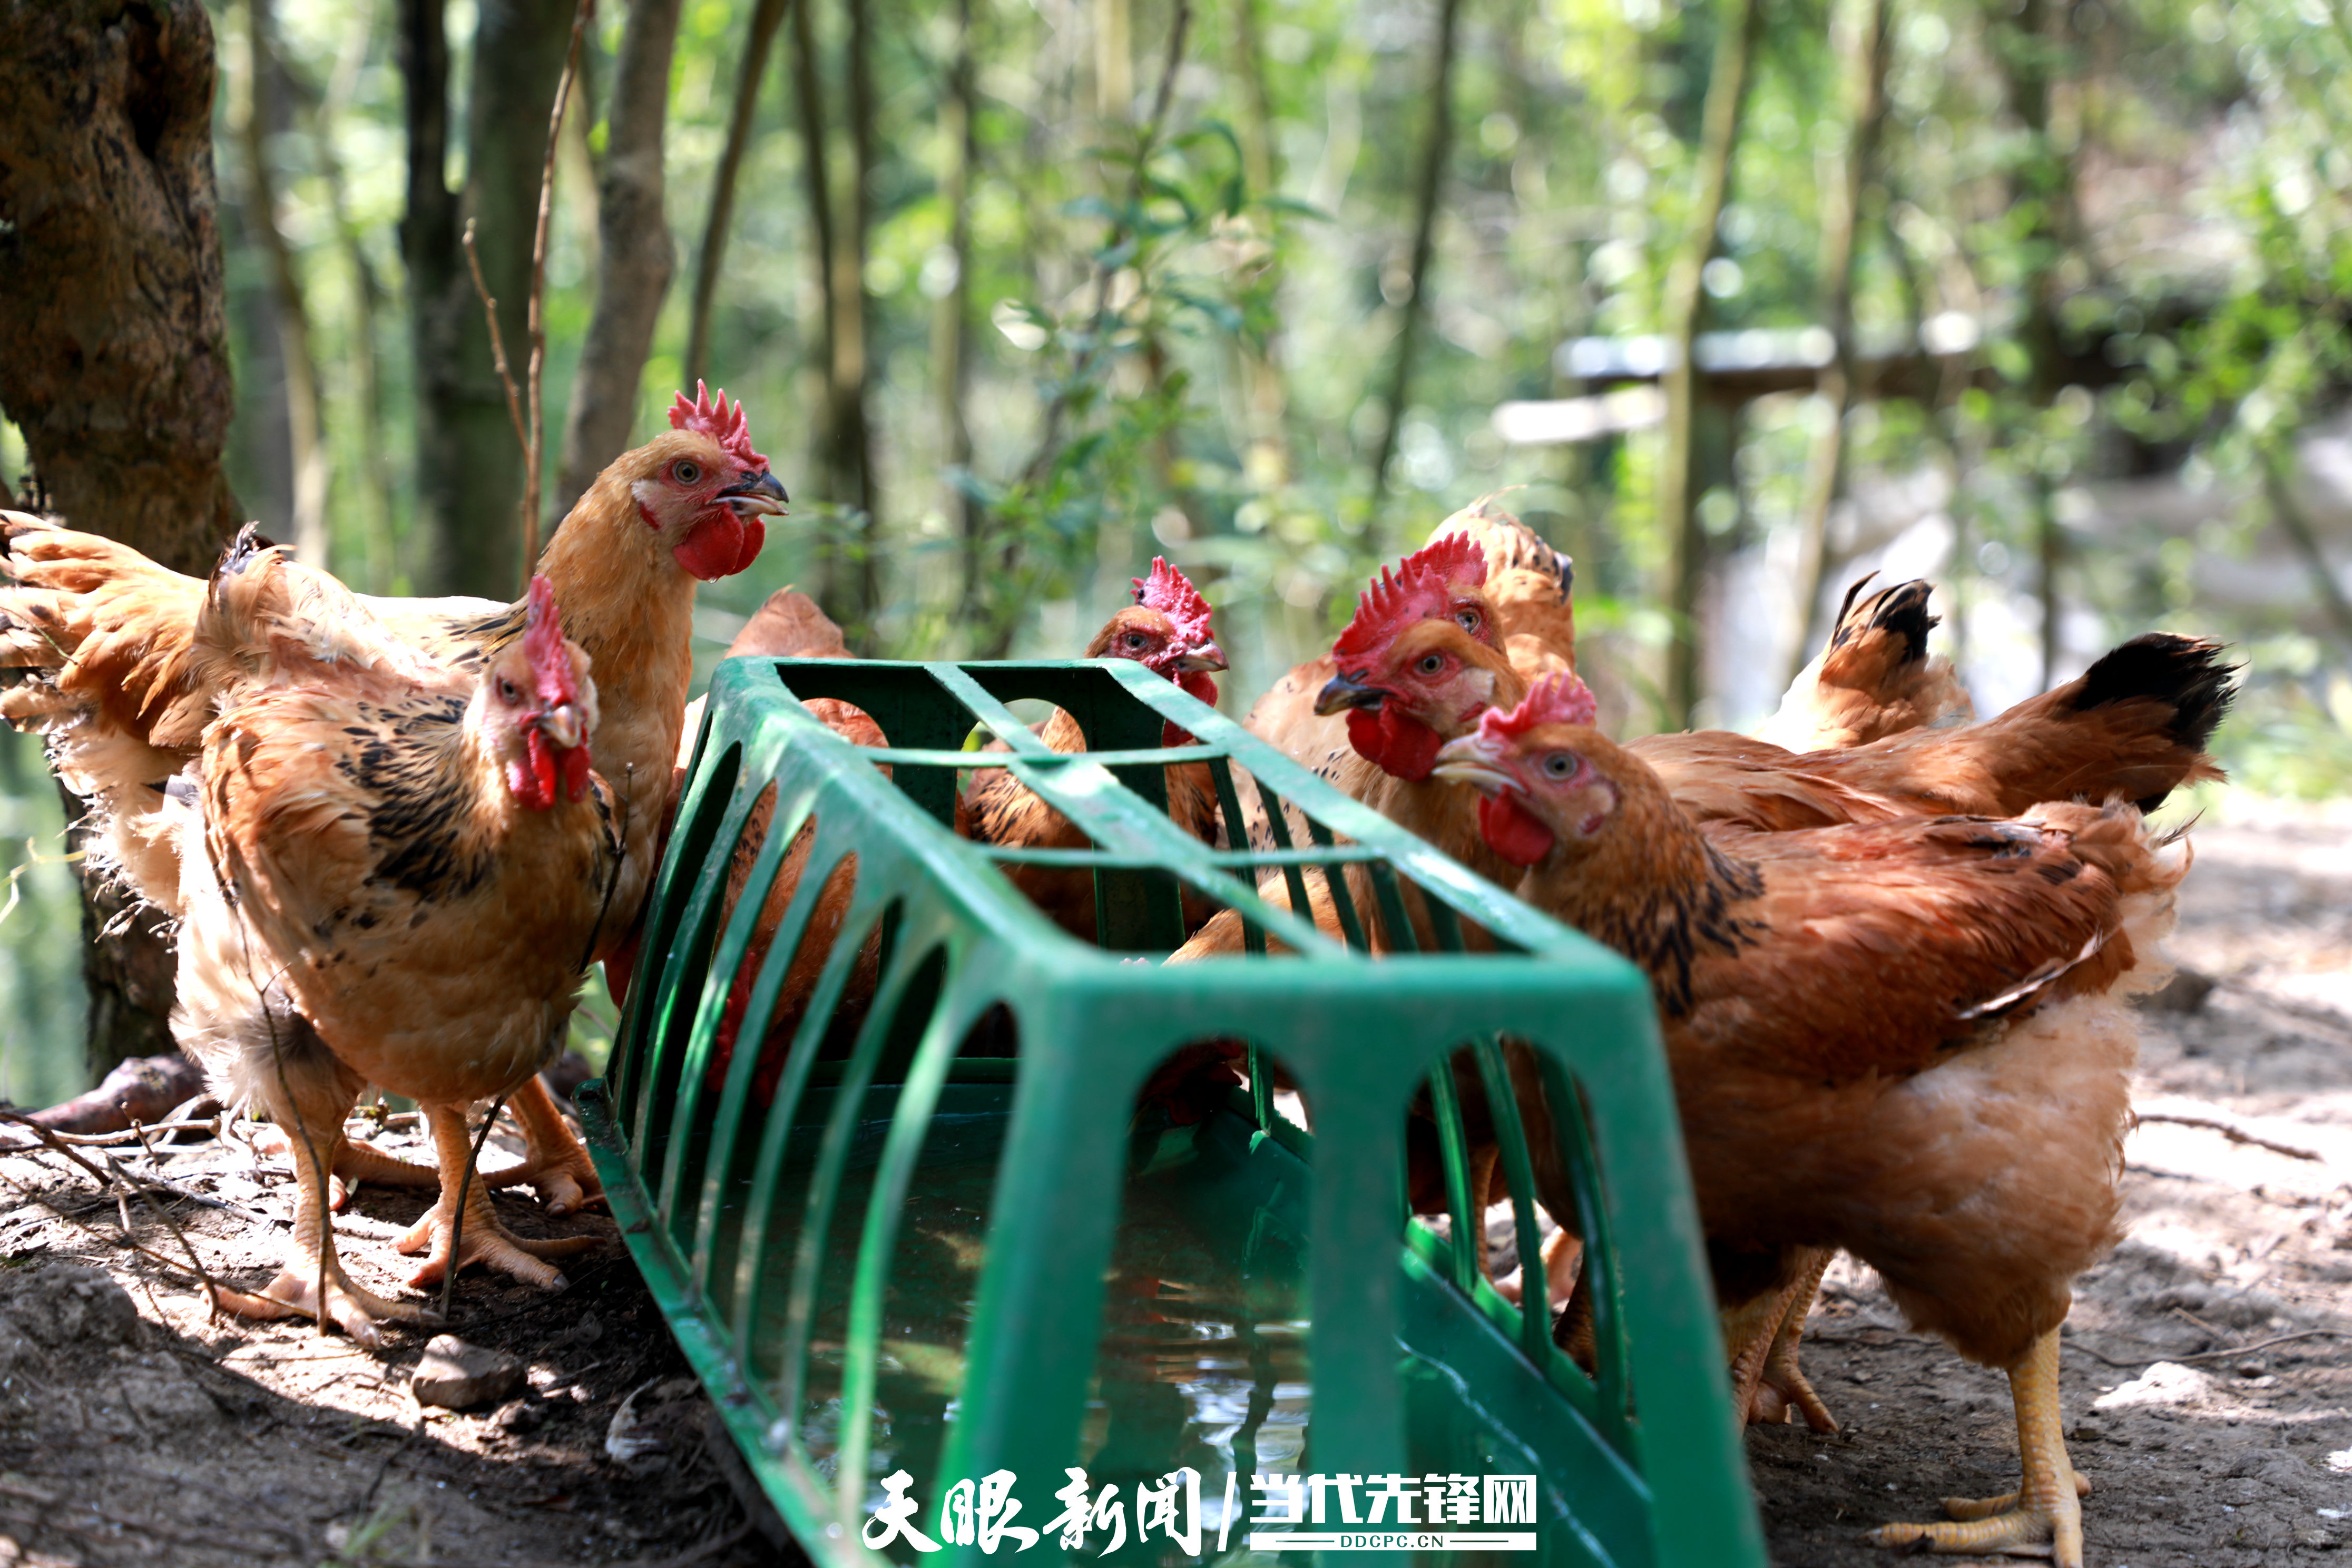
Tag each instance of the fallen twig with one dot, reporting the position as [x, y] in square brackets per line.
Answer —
[2222, 1354]
[2233, 1133]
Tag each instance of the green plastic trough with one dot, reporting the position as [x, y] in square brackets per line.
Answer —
[939, 1242]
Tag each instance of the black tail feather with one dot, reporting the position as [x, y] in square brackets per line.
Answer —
[2187, 673]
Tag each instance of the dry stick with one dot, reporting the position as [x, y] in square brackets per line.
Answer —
[82, 1225]
[538, 294]
[2223, 1354]
[464, 1181]
[212, 1290]
[497, 342]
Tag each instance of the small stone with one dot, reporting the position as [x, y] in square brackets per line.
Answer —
[459, 1377]
[522, 1418]
[2250, 1368]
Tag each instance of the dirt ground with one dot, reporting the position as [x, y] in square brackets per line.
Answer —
[135, 1428]
[2209, 1367]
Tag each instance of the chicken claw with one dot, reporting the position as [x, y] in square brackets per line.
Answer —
[554, 1161]
[294, 1293]
[484, 1239]
[2046, 1511]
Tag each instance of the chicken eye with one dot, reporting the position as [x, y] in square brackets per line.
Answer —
[507, 691]
[1430, 663]
[1559, 765]
[686, 471]
[1467, 620]
[1135, 639]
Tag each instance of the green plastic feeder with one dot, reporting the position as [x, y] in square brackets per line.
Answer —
[942, 1240]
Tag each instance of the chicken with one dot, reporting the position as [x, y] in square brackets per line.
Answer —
[1874, 678]
[1166, 631]
[1904, 1038]
[124, 700]
[2136, 723]
[790, 625]
[394, 881]
[1526, 585]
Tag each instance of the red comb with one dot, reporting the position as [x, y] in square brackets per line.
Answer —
[1555, 699]
[1415, 589]
[716, 418]
[542, 646]
[1171, 594]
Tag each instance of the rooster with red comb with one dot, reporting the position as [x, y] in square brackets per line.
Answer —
[1166, 631]
[394, 879]
[109, 635]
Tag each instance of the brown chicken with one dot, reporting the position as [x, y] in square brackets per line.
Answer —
[396, 882]
[2136, 724]
[1874, 678]
[1904, 1038]
[124, 701]
[1526, 585]
[1166, 631]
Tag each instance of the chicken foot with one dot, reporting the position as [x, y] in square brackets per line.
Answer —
[1782, 1385]
[2047, 1509]
[313, 1269]
[485, 1239]
[554, 1161]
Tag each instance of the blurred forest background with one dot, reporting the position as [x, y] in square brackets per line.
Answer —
[2043, 298]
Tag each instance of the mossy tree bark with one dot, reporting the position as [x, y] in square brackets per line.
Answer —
[113, 343]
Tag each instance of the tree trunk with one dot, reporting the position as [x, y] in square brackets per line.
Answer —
[469, 470]
[379, 569]
[113, 340]
[2278, 490]
[1435, 148]
[2039, 186]
[853, 332]
[636, 254]
[305, 427]
[839, 246]
[951, 317]
[1864, 59]
[1738, 25]
[766, 17]
[1267, 397]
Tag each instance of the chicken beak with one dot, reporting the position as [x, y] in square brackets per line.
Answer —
[1467, 762]
[754, 494]
[564, 726]
[1206, 659]
[1341, 692]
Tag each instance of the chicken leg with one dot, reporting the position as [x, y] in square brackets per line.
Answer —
[484, 1238]
[554, 1161]
[1782, 1384]
[353, 1162]
[2047, 1509]
[309, 1100]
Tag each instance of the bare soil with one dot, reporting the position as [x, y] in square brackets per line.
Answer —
[135, 1428]
[2209, 1366]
